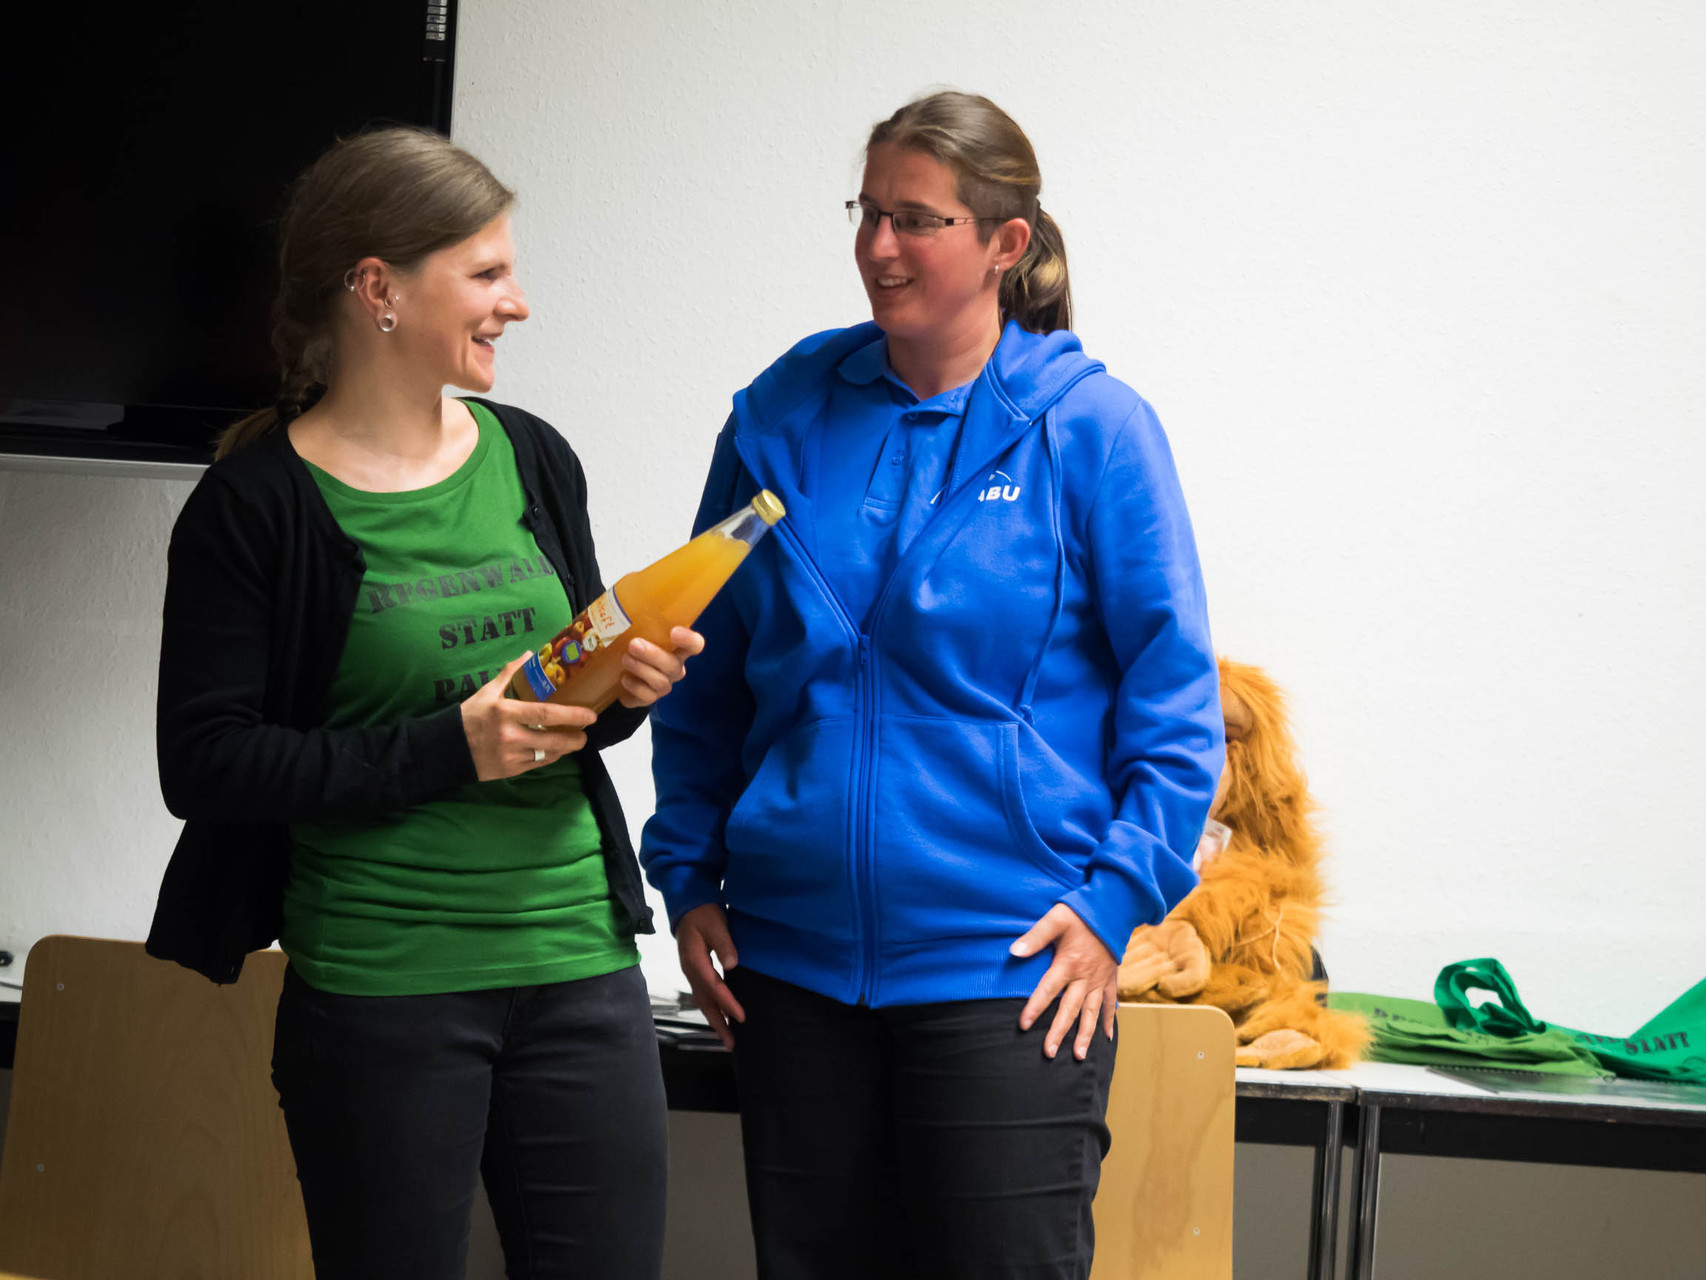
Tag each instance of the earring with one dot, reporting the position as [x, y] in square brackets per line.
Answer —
[387, 322]
[349, 279]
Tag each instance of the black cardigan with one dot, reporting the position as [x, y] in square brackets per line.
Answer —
[261, 584]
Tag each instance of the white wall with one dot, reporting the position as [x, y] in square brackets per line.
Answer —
[1417, 290]
[83, 833]
[1416, 287]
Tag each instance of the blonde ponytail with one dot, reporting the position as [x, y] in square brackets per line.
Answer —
[1037, 291]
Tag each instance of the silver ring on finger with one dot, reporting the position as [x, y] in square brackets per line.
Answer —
[538, 754]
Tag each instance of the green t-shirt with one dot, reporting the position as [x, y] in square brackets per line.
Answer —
[493, 884]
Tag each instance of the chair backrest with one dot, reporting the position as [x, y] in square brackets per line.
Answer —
[1163, 1209]
[145, 1138]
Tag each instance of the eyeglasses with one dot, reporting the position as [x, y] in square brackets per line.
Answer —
[906, 222]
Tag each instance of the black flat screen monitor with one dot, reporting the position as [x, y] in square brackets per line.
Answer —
[146, 156]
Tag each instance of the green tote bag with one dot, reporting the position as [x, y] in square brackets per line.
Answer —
[1670, 1046]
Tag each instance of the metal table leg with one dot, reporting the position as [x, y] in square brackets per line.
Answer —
[1324, 1224]
[1366, 1195]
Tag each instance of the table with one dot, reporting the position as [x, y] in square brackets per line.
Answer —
[1495, 1115]
[1302, 1109]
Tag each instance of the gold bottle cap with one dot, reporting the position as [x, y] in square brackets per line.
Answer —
[768, 506]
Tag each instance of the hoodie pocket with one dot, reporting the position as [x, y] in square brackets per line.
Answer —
[955, 851]
[1025, 834]
[789, 838]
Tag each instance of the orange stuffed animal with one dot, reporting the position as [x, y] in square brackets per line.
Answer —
[1242, 940]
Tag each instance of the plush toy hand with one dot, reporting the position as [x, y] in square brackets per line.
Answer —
[1190, 961]
[1280, 1051]
[1145, 963]
[1168, 958]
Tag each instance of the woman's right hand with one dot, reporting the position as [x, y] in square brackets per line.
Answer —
[700, 933]
[504, 734]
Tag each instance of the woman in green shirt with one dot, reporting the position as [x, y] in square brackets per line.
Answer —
[351, 586]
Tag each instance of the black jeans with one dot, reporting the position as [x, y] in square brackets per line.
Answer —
[553, 1093]
[916, 1141]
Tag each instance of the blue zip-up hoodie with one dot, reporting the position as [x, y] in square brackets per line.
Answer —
[1029, 715]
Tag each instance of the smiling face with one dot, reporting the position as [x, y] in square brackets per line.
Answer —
[455, 304]
[923, 288]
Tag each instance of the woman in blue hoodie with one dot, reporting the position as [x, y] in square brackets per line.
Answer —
[954, 735]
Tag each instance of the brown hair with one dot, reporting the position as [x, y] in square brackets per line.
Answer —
[397, 194]
[998, 179]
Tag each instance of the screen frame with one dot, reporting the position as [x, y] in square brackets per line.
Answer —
[104, 438]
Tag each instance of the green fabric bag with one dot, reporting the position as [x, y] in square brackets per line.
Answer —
[1416, 1031]
[1672, 1046]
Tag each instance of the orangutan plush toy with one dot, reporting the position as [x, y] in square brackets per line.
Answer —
[1242, 941]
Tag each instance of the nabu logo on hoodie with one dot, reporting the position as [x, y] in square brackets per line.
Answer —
[999, 488]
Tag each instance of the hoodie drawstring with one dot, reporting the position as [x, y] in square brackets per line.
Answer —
[1056, 483]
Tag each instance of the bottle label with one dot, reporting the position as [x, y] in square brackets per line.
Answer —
[600, 623]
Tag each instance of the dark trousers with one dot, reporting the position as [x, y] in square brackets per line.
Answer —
[395, 1104]
[918, 1141]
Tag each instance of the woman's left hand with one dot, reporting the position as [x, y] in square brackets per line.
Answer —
[649, 672]
[1085, 975]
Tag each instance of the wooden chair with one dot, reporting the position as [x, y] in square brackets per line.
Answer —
[1163, 1210]
[145, 1139]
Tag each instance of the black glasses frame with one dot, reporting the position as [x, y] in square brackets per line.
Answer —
[860, 208]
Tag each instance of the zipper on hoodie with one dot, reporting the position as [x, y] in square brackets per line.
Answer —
[864, 719]
[864, 859]
[864, 848]
[863, 800]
